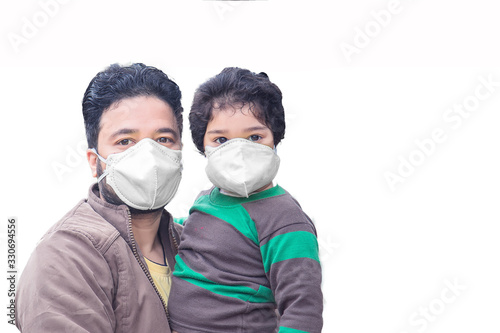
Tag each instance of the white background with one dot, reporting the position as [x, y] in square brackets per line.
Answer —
[388, 255]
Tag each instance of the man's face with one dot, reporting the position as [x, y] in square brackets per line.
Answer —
[126, 123]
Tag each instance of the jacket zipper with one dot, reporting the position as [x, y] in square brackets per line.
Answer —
[176, 245]
[172, 234]
[145, 270]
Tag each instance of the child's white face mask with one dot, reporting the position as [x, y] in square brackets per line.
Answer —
[145, 176]
[241, 166]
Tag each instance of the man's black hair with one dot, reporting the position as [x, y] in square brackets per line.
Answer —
[116, 83]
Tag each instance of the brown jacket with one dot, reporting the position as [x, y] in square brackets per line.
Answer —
[87, 274]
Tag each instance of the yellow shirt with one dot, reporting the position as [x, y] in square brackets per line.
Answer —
[161, 275]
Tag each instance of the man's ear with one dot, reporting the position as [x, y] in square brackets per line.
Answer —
[93, 160]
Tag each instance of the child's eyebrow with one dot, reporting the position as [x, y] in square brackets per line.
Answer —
[216, 131]
[256, 128]
[249, 129]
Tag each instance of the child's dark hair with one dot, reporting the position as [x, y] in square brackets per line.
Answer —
[237, 87]
[119, 82]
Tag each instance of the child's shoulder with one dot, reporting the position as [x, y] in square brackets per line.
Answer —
[280, 206]
[276, 202]
[279, 213]
[279, 197]
[204, 193]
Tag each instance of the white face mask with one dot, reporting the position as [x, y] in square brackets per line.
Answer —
[145, 176]
[241, 166]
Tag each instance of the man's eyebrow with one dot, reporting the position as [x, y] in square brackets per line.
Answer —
[123, 131]
[168, 130]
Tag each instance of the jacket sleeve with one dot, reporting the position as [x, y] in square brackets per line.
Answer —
[291, 260]
[66, 286]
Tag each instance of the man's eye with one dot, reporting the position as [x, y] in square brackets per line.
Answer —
[164, 140]
[221, 140]
[125, 142]
[254, 137]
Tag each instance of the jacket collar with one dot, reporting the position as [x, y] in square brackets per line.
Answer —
[119, 217]
[116, 215]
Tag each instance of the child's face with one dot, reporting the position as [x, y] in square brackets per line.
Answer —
[229, 123]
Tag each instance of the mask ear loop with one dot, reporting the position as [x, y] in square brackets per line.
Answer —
[105, 173]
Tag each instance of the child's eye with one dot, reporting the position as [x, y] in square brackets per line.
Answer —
[254, 137]
[221, 140]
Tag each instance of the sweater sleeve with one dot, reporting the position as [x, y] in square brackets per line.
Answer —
[291, 261]
[66, 286]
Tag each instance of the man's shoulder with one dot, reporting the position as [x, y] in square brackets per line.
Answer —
[83, 221]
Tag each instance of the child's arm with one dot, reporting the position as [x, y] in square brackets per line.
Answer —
[291, 261]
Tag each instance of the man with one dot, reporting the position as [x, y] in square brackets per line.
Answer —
[105, 266]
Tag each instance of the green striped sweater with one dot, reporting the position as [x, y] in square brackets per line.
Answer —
[247, 265]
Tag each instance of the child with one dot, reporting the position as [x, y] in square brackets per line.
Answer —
[248, 252]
